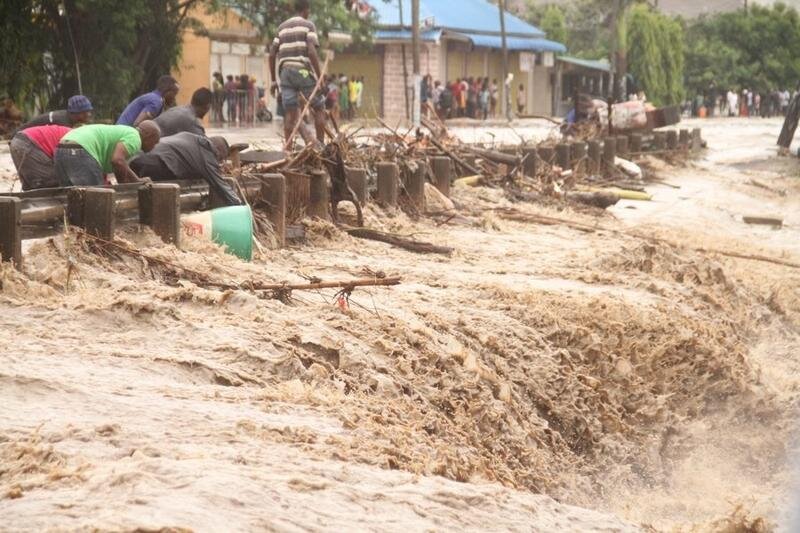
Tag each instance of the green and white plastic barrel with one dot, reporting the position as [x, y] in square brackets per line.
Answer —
[229, 226]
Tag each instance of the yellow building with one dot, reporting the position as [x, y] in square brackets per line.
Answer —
[230, 45]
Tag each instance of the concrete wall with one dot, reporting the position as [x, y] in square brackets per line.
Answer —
[194, 68]
[393, 83]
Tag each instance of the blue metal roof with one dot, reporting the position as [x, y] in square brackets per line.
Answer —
[516, 43]
[477, 16]
[594, 64]
[405, 35]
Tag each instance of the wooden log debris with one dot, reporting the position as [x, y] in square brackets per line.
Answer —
[398, 241]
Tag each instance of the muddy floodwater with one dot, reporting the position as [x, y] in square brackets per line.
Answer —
[626, 377]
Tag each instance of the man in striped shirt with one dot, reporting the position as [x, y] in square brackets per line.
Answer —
[294, 54]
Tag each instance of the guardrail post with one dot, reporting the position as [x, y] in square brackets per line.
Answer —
[99, 211]
[622, 146]
[273, 192]
[683, 138]
[562, 156]
[530, 162]
[578, 154]
[416, 185]
[697, 140]
[10, 230]
[659, 140]
[387, 184]
[319, 203]
[165, 209]
[357, 180]
[609, 150]
[595, 155]
[442, 172]
[546, 154]
[672, 140]
[635, 142]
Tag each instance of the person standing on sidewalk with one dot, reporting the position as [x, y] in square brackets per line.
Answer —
[294, 55]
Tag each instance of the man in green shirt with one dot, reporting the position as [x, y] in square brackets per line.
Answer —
[86, 154]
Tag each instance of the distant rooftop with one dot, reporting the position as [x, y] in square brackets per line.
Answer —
[476, 21]
[475, 16]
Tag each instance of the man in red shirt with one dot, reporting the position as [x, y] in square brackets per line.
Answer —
[32, 152]
[456, 88]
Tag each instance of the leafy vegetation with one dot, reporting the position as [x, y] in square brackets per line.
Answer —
[121, 49]
[655, 54]
[758, 49]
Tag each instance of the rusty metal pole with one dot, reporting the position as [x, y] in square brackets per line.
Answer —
[10, 230]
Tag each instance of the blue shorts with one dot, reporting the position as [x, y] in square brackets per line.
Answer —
[294, 82]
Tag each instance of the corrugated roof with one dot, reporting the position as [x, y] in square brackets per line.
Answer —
[405, 35]
[594, 64]
[529, 44]
[476, 16]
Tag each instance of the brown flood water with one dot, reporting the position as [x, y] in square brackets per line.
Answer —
[541, 378]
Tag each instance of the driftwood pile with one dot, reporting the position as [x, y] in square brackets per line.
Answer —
[400, 168]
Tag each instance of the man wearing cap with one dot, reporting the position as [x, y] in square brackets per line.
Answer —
[86, 154]
[186, 117]
[32, 152]
[188, 156]
[148, 106]
[294, 52]
[78, 112]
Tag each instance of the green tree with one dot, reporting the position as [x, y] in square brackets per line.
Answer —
[586, 25]
[554, 24]
[121, 49]
[328, 15]
[655, 54]
[759, 50]
[119, 52]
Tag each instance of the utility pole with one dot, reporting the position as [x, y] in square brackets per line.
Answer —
[405, 67]
[506, 93]
[416, 109]
[619, 63]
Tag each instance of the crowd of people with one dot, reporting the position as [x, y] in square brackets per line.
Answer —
[238, 100]
[740, 103]
[470, 97]
[343, 96]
